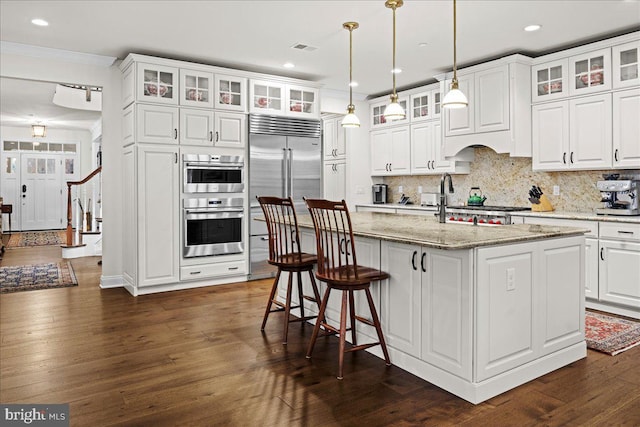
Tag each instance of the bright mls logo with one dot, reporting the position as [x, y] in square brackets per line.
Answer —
[35, 414]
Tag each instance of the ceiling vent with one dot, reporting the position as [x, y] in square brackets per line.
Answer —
[302, 46]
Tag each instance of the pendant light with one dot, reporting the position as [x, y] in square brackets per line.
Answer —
[454, 98]
[38, 131]
[394, 111]
[350, 120]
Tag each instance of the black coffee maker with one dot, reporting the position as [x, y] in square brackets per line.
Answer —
[379, 193]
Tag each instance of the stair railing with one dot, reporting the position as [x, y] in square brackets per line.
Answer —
[70, 207]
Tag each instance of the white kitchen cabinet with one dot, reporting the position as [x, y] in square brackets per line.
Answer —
[333, 138]
[128, 125]
[302, 101]
[620, 264]
[196, 127]
[230, 129]
[196, 88]
[378, 120]
[626, 129]
[157, 214]
[230, 93]
[426, 151]
[391, 151]
[625, 60]
[499, 111]
[157, 124]
[156, 83]
[550, 81]
[129, 210]
[592, 267]
[335, 180]
[590, 72]
[590, 132]
[573, 134]
[266, 97]
[426, 105]
[401, 297]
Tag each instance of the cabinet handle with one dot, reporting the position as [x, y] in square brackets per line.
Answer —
[176, 158]
[217, 136]
[232, 268]
[175, 133]
[211, 135]
[195, 272]
[571, 157]
[390, 168]
[601, 254]
[625, 232]
[413, 260]
[615, 155]
[424, 269]
[564, 158]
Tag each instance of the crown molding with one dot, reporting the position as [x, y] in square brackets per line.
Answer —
[57, 54]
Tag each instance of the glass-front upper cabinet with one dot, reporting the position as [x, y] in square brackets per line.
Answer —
[425, 105]
[157, 83]
[302, 101]
[196, 88]
[625, 64]
[590, 72]
[266, 97]
[550, 80]
[230, 93]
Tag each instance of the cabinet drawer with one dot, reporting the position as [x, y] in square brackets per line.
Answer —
[592, 226]
[221, 269]
[620, 231]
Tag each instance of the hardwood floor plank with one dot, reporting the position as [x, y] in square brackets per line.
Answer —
[197, 357]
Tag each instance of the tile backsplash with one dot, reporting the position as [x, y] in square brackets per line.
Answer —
[506, 181]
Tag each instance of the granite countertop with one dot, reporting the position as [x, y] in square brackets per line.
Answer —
[427, 231]
[587, 216]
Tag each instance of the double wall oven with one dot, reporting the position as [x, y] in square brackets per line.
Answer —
[213, 205]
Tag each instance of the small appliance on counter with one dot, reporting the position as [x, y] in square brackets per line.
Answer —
[429, 199]
[379, 193]
[620, 197]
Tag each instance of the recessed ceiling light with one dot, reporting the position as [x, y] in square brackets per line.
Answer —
[39, 22]
[396, 70]
[288, 65]
[534, 27]
[422, 44]
[353, 84]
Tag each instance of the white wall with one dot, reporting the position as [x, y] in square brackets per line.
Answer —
[358, 149]
[61, 71]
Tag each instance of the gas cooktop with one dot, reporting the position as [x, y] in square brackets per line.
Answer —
[493, 208]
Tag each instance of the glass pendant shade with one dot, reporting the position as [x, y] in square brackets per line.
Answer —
[394, 111]
[455, 98]
[351, 120]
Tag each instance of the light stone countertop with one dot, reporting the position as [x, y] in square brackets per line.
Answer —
[427, 231]
[587, 216]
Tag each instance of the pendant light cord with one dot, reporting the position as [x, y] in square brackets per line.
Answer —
[455, 61]
[350, 66]
[393, 71]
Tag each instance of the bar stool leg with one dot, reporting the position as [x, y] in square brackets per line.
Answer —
[287, 308]
[319, 320]
[352, 314]
[314, 286]
[343, 332]
[273, 293]
[301, 297]
[376, 322]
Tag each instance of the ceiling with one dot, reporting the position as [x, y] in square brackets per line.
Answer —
[259, 35]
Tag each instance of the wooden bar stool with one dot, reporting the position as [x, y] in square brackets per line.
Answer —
[286, 254]
[339, 269]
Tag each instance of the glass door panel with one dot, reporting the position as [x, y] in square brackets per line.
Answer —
[230, 93]
[196, 88]
[157, 83]
[625, 65]
[591, 72]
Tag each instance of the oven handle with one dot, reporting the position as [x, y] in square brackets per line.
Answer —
[232, 166]
[227, 213]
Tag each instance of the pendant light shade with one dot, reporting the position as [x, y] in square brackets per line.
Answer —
[454, 98]
[394, 111]
[350, 120]
[38, 131]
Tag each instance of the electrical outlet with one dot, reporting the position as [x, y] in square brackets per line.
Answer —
[359, 189]
[400, 189]
[556, 190]
[511, 279]
[419, 189]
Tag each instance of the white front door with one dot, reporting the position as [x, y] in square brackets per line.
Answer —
[40, 190]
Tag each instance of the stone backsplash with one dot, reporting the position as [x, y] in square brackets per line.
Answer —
[506, 181]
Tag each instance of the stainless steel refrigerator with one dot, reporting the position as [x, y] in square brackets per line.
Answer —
[285, 159]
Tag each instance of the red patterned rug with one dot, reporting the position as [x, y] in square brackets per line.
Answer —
[40, 276]
[611, 335]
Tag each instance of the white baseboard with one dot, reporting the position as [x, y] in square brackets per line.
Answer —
[107, 282]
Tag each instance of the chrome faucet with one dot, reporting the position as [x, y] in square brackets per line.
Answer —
[443, 198]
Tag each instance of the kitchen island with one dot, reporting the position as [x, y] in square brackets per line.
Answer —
[475, 310]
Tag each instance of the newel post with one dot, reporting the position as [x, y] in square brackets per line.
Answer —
[69, 219]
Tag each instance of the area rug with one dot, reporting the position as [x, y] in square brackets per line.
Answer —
[40, 276]
[611, 335]
[36, 238]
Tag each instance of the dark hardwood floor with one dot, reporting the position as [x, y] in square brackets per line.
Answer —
[198, 358]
